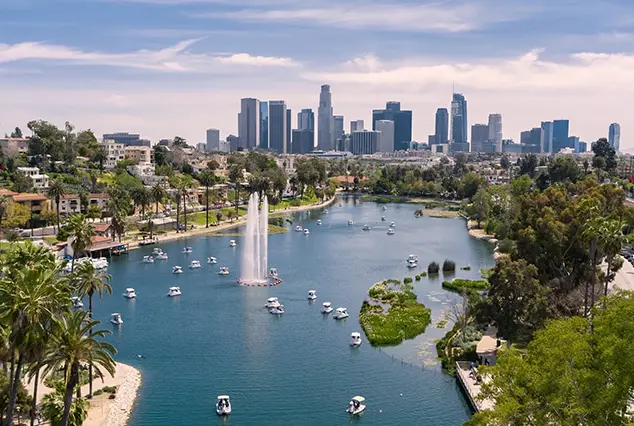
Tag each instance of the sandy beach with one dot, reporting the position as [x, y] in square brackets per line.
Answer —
[479, 233]
[173, 235]
[104, 411]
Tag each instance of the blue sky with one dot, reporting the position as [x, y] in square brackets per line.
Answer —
[167, 67]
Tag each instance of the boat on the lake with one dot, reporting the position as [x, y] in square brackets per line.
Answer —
[382, 218]
[272, 302]
[312, 294]
[174, 291]
[366, 227]
[350, 222]
[129, 293]
[306, 232]
[341, 313]
[162, 256]
[355, 339]
[392, 224]
[177, 270]
[187, 250]
[232, 243]
[212, 260]
[278, 310]
[148, 259]
[390, 231]
[384, 208]
[157, 250]
[116, 319]
[299, 228]
[356, 406]
[195, 264]
[412, 263]
[223, 270]
[223, 406]
[319, 222]
[326, 308]
[273, 272]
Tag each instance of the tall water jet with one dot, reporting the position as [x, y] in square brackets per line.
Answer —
[254, 257]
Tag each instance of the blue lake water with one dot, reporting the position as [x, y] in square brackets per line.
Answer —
[297, 369]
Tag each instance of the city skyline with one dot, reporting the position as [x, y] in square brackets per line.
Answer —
[185, 66]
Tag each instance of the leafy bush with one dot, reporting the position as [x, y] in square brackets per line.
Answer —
[466, 268]
[433, 268]
[97, 392]
[502, 231]
[459, 285]
[449, 266]
[423, 274]
[417, 277]
[109, 389]
[407, 280]
[53, 408]
[491, 226]
[486, 273]
[295, 202]
[506, 246]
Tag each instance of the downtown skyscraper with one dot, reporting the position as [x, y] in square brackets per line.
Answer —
[264, 125]
[442, 126]
[402, 123]
[306, 120]
[495, 131]
[325, 120]
[278, 126]
[614, 136]
[459, 121]
[249, 123]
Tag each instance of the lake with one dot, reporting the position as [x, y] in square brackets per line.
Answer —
[296, 369]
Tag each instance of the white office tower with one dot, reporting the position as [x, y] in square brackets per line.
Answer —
[386, 140]
[495, 130]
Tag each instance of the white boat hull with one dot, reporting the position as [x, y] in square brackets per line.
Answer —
[359, 410]
[116, 322]
[326, 311]
[340, 317]
[223, 411]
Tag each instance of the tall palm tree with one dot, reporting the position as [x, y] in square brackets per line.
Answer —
[142, 197]
[81, 232]
[31, 294]
[74, 343]
[236, 176]
[88, 282]
[183, 185]
[177, 200]
[612, 240]
[56, 190]
[118, 224]
[158, 193]
[99, 157]
[207, 179]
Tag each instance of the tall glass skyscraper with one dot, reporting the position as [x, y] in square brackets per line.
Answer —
[495, 131]
[442, 126]
[248, 123]
[402, 123]
[325, 121]
[459, 122]
[264, 125]
[547, 127]
[560, 135]
[277, 126]
[306, 120]
[614, 136]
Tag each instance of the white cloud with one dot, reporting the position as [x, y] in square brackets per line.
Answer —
[175, 58]
[430, 17]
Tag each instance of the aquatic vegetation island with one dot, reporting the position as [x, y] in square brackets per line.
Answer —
[460, 285]
[392, 314]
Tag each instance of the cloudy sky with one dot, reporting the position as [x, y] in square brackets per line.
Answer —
[177, 67]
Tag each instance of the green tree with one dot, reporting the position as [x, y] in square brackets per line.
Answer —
[236, 177]
[469, 185]
[53, 408]
[81, 233]
[528, 164]
[56, 190]
[481, 205]
[564, 169]
[94, 211]
[604, 156]
[518, 302]
[17, 215]
[17, 133]
[99, 157]
[158, 193]
[22, 182]
[4, 207]
[75, 343]
[207, 179]
[505, 163]
[142, 197]
[179, 142]
[88, 282]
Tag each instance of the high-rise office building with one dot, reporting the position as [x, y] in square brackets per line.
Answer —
[234, 143]
[459, 122]
[583, 146]
[495, 131]
[386, 138]
[560, 135]
[277, 126]
[325, 120]
[614, 136]
[264, 125]
[364, 142]
[357, 126]
[289, 133]
[339, 129]
[442, 126]
[479, 135]
[532, 140]
[249, 123]
[573, 142]
[303, 141]
[213, 140]
[402, 123]
[306, 120]
[547, 127]
[128, 139]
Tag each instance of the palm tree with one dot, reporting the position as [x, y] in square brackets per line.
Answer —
[235, 176]
[218, 216]
[118, 224]
[183, 185]
[75, 343]
[56, 190]
[158, 193]
[177, 200]
[31, 294]
[612, 240]
[207, 179]
[88, 281]
[81, 232]
[142, 197]
[99, 157]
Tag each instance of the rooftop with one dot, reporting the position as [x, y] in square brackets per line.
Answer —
[29, 197]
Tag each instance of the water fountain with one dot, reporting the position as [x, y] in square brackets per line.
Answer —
[255, 255]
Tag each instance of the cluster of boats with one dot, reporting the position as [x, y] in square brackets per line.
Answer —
[306, 231]
[355, 406]
[276, 308]
[159, 254]
[412, 261]
[98, 263]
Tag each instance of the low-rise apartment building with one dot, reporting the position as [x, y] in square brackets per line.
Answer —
[12, 147]
[40, 180]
